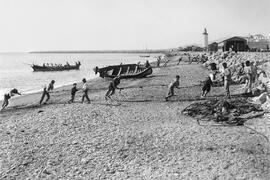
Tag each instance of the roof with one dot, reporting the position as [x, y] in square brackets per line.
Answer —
[227, 38]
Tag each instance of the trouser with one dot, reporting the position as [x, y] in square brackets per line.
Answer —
[110, 91]
[248, 85]
[206, 89]
[227, 88]
[72, 98]
[85, 95]
[45, 93]
[170, 92]
[5, 101]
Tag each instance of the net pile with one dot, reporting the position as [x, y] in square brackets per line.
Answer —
[238, 111]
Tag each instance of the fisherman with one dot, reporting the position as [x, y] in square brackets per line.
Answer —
[73, 92]
[147, 64]
[189, 59]
[46, 92]
[254, 69]
[174, 84]
[248, 77]
[227, 79]
[158, 61]
[8, 96]
[208, 83]
[113, 85]
[85, 89]
[179, 60]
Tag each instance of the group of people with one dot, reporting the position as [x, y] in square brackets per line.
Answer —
[60, 65]
[248, 72]
[48, 89]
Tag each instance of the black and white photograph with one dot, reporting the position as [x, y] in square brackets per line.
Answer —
[135, 89]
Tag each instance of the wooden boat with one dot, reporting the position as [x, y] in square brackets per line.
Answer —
[65, 67]
[145, 56]
[125, 71]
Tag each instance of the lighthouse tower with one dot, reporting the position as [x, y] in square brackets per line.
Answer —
[205, 35]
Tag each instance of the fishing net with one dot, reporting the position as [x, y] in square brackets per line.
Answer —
[236, 111]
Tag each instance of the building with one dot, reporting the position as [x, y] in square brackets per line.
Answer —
[213, 47]
[258, 42]
[235, 43]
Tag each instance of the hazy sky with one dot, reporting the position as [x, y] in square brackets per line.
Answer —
[32, 25]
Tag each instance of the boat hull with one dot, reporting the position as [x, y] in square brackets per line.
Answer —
[45, 68]
[125, 71]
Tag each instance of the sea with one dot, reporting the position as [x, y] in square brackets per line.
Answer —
[16, 71]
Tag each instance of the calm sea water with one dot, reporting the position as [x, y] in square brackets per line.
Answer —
[15, 70]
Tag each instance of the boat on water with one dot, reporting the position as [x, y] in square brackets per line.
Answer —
[145, 56]
[51, 67]
[125, 71]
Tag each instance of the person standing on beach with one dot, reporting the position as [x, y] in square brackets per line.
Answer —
[254, 71]
[174, 84]
[189, 59]
[113, 85]
[208, 83]
[158, 61]
[73, 92]
[248, 77]
[8, 96]
[46, 92]
[227, 79]
[147, 64]
[179, 60]
[85, 89]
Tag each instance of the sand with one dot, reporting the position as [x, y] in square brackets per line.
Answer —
[135, 136]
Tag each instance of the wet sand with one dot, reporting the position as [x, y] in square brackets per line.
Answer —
[135, 136]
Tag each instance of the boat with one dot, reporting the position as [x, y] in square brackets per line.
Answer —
[125, 71]
[48, 67]
[145, 56]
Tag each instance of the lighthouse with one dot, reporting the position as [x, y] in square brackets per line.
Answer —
[205, 35]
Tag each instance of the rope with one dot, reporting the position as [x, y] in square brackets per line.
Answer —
[227, 125]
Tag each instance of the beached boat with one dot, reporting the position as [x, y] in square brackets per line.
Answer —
[125, 71]
[65, 67]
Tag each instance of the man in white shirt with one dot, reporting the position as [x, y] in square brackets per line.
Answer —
[46, 92]
[85, 89]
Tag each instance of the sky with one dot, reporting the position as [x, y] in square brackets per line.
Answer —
[44, 25]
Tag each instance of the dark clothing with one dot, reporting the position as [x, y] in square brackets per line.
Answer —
[73, 92]
[179, 60]
[8, 96]
[207, 85]
[5, 102]
[45, 93]
[50, 88]
[147, 65]
[113, 85]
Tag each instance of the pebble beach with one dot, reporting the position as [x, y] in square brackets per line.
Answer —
[136, 135]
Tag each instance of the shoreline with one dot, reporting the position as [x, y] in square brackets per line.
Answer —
[137, 135]
[25, 98]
